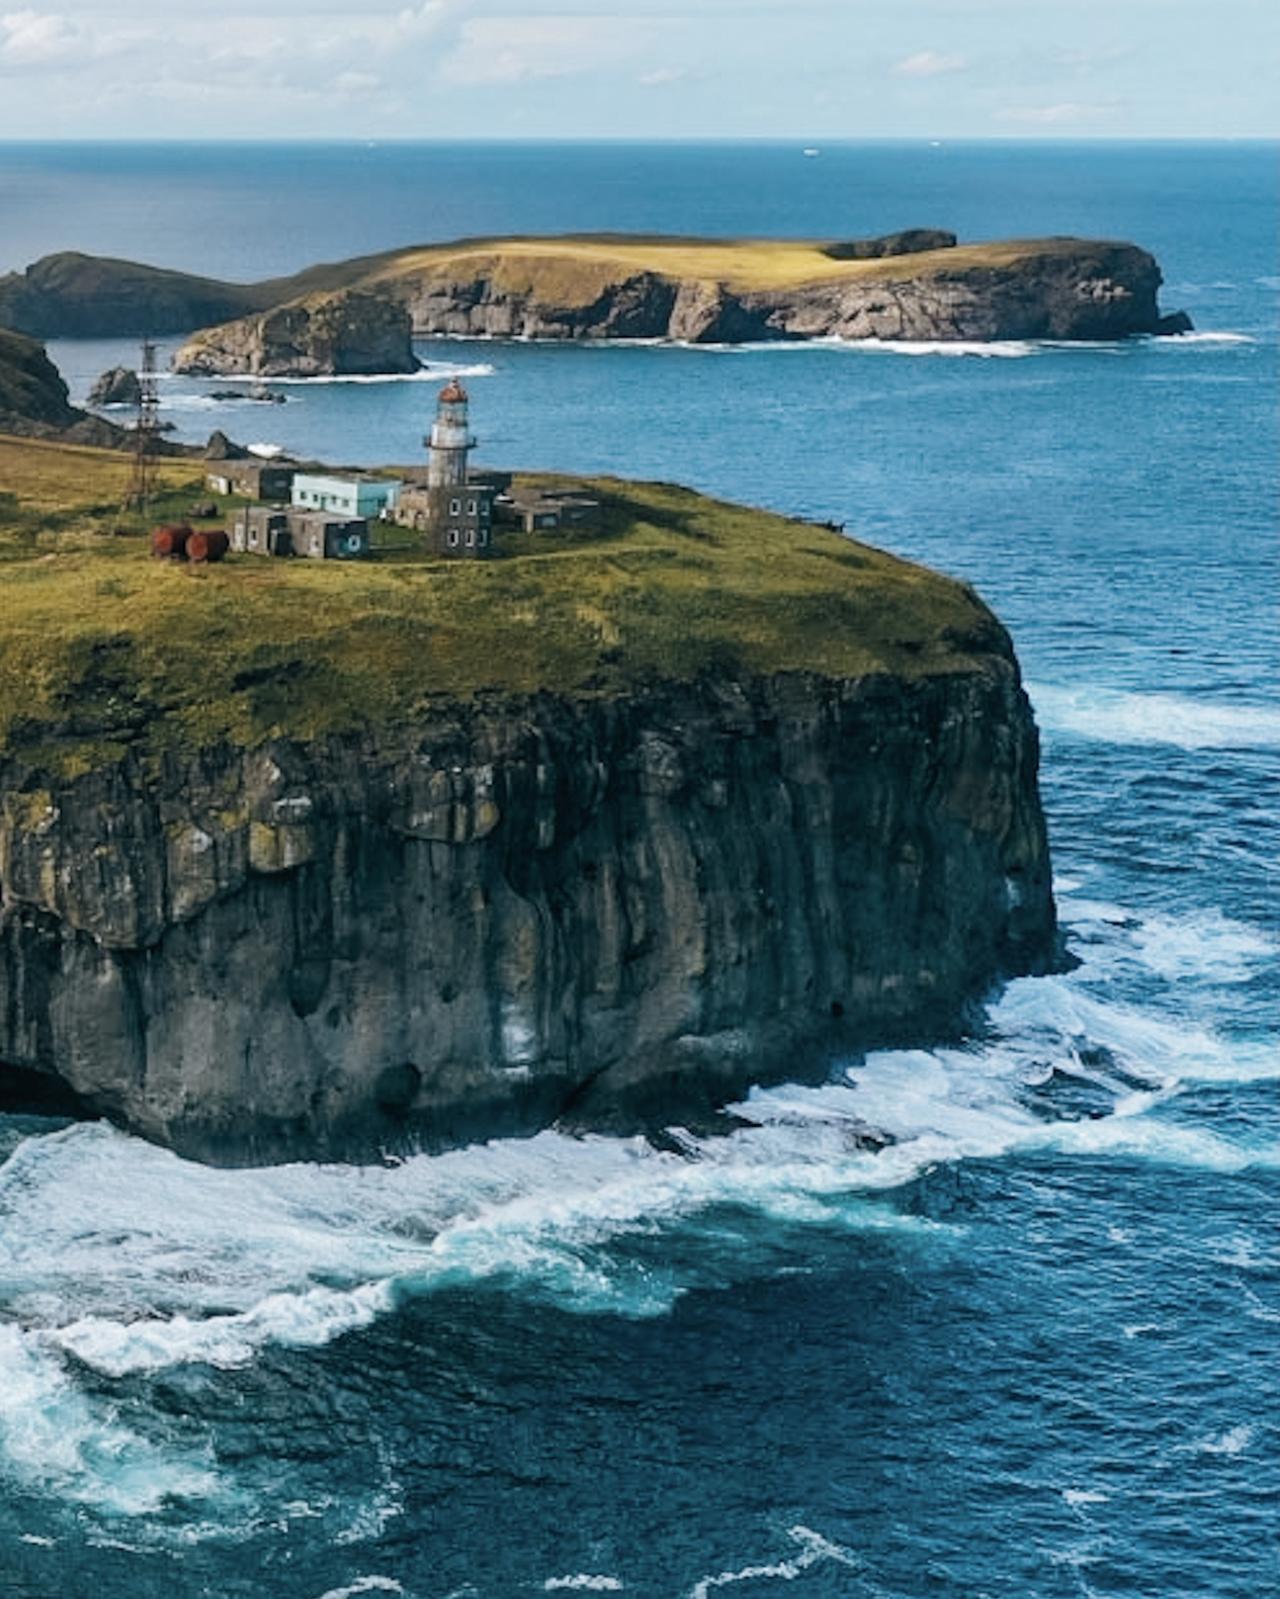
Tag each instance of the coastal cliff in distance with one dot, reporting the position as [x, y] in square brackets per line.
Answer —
[349, 332]
[297, 860]
[919, 285]
[34, 400]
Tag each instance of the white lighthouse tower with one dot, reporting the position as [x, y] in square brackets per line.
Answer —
[451, 442]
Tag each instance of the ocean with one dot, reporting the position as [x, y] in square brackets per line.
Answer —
[1030, 1350]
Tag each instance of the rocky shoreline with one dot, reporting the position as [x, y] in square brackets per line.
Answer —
[360, 316]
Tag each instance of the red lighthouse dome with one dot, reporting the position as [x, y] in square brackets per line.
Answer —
[453, 393]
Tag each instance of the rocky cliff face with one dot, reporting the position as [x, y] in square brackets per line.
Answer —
[1067, 290]
[596, 910]
[75, 296]
[34, 402]
[346, 333]
[31, 387]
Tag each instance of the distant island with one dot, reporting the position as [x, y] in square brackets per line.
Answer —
[361, 315]
[304, 857]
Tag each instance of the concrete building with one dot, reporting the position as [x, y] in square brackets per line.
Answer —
[315, 535]
[261, 530]
[321, 536]
[456, 521]
[538, 510]
[254, 480]
[353, 497]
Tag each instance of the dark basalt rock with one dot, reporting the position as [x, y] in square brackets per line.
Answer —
[119, 386]
[910, 241]
[221, 448]
[31, 387]
[612, 912]
[1176, 322]
[34, 402]
[72, 295]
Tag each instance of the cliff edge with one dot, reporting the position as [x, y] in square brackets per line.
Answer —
[919, 284]
[297, 860]
[346, 333]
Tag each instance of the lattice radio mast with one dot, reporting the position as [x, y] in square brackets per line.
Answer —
[142, 478]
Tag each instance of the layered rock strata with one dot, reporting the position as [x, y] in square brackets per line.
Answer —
[917, 284]
[601, 911]
[1094, 292]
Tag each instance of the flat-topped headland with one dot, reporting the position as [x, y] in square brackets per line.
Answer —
[918, 285]
[300, 857]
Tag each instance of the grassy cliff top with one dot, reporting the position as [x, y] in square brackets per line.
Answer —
[72, 295]
[103, 648]
[570, 263]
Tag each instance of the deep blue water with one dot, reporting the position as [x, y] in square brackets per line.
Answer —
[1033, 1349]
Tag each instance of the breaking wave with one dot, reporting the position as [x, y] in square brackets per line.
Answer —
[431, 372]
[1173, 341]
[123, 1261]
[980, 349]
[1119, 716]
[57, 1440]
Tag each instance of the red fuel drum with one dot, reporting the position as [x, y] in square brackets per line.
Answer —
[210, 546]
[170, 541]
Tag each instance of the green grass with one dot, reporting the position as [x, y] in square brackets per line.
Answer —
[103, 649]
[575, 268]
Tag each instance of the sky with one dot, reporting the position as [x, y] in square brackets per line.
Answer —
[807, 69]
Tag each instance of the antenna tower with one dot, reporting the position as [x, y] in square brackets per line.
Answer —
[146, 432]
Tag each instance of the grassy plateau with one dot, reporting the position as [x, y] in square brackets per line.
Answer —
[103, 648]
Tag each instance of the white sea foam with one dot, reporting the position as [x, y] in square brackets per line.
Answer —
[1230, 1443]
[169, 1263]
[55, 1439]
[583, 1582]
[981, 349]
[432, 372]
[309, 1319]
[1078, 1497]
[1173, 341]
[1206, 947]
[364, 1585]
[1118, 716]
[814, 1550]
[206, 402]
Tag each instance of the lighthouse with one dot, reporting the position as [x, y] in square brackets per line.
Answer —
[451, 442]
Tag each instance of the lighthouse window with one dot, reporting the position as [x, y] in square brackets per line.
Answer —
[471, 538]
[453, 538]
[483, 538]
[455, 507]
[471, 507]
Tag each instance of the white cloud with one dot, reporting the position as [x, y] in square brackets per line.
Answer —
[930, 64]
[662, 75]
[1064, 112]
[504, 50]
[357, 82]
[38, 39]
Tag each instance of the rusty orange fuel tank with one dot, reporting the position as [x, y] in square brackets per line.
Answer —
[210, 546]
[170, 542]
